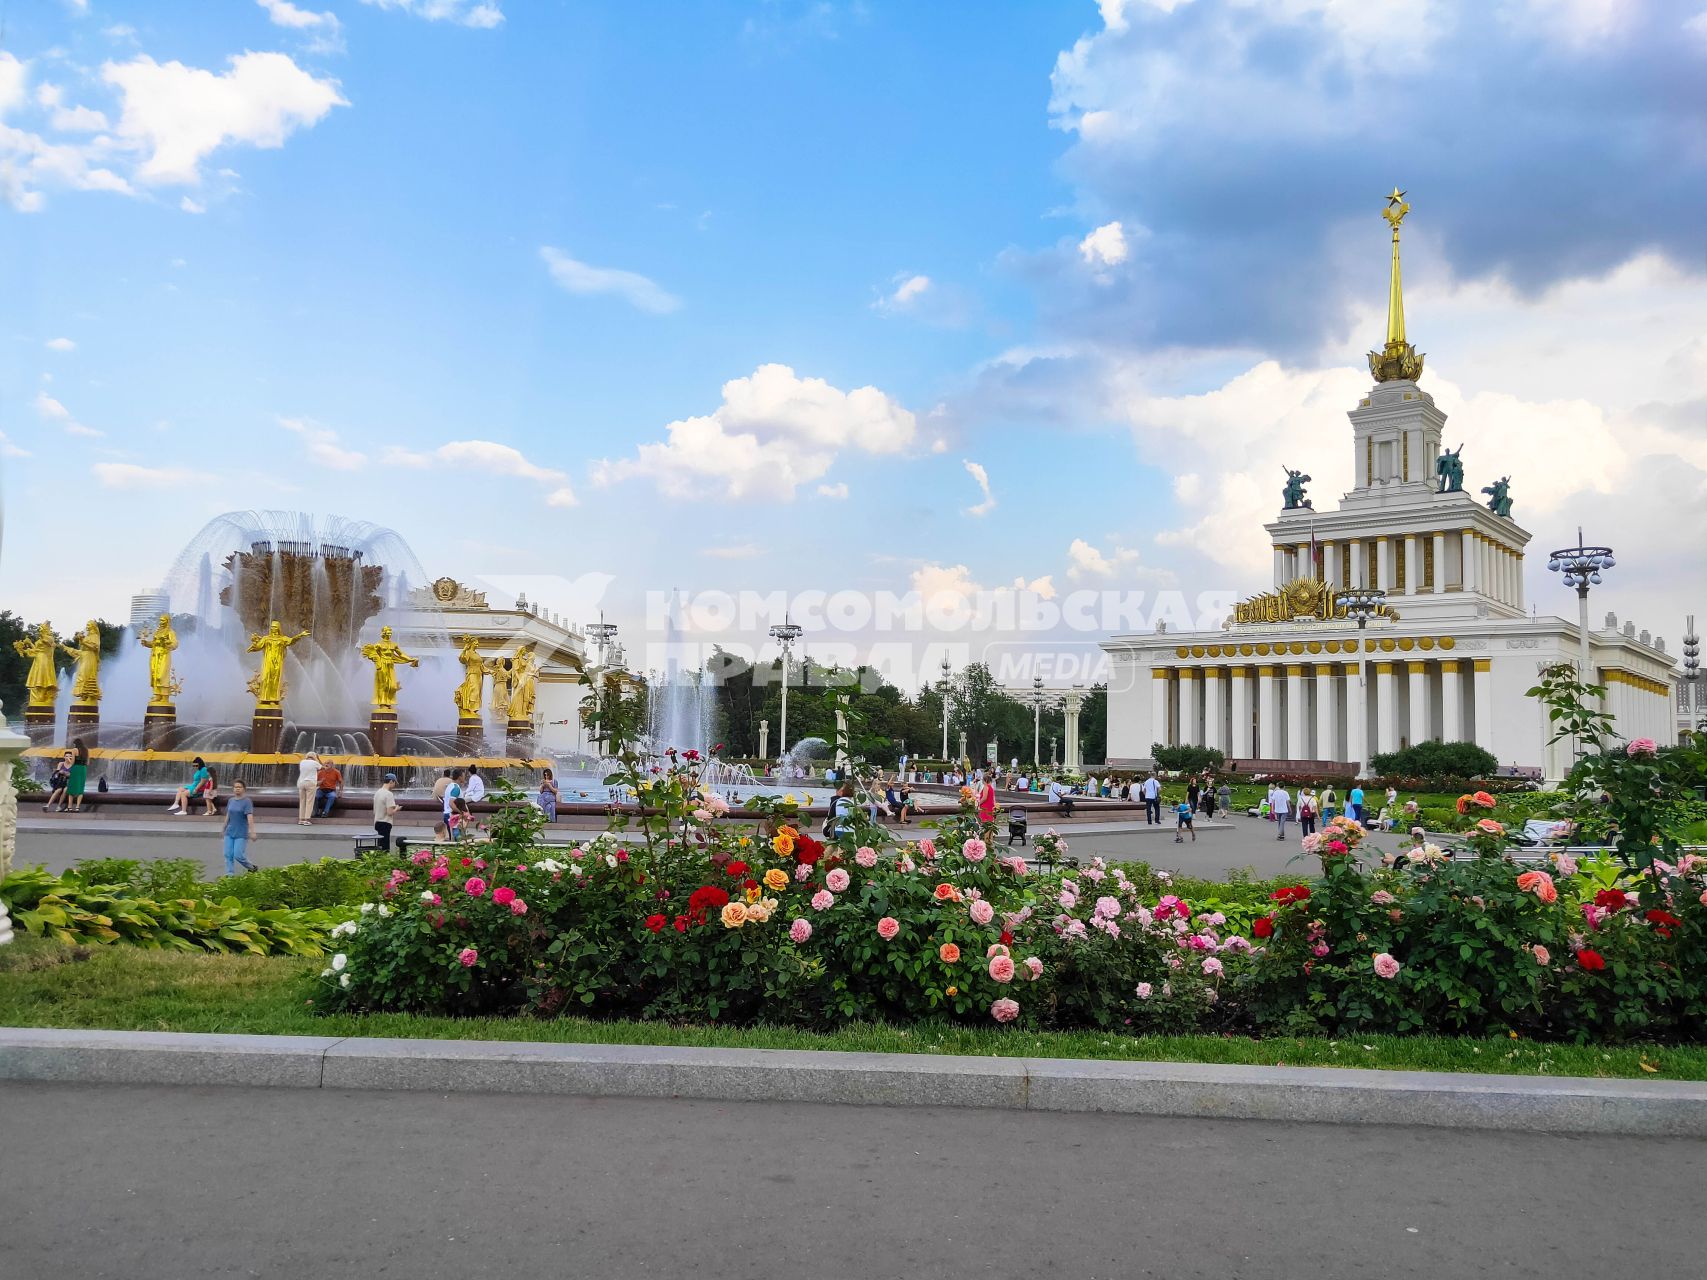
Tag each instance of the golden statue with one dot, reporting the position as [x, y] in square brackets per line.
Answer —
[386, 657]
[86, 674]
[268, 683]
[43, 679]
[160, 643]
[1397, 360]
[524, 679]
[467, 695]
[500, 671]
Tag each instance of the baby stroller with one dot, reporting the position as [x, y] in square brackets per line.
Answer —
[1018, 824]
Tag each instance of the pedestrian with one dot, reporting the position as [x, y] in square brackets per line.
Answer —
[307, 771]
[1280, 805]
[441, 784]
[384, 806]
[1306, 811]
[1330, 803]
[1224, 794]
[211, 792]
[239, 829]
[1354, 803]
[987, 803]
[548, 794]
[328, 782]
[1209, 799]
[454, 805]
[1152, 801]
[77, 777]
[1182, 822]
[181, 802]
[56, 782]
[1392, 797]
[839, 821]
[473, 785]
[1193, 792]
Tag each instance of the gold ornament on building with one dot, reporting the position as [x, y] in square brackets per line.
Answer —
[1301, 599]
[1398, 361]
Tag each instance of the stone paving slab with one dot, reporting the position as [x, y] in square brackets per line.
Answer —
[1207, 1090]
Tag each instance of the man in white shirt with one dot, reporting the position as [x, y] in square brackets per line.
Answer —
[1060, 799]
[385, 806]
[475, 788]
[1152, 801]
[1280, 805]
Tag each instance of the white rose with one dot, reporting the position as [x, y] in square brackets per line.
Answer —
[325, 973]
[426, 895]
[366, 907]
[384, 910]
[339, 961]
[610, 859]
[344, 981]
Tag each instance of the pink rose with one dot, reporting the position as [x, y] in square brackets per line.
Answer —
[837, 880]
[1212, 967]
[981, 912]
[421, 859]
[468, 955]
[1145, 990]
[438, 873]
[517, 907]
[480, 864]
[888, 927]
[974, 849]
[866, 856]
[1067, 901]
[504, 897]
[1385, 965]
[1108, 907]
[1002, 969]
[1005, 1010]
[1033, 968]
[799, 931]
[1641, 747]
[1382, 898]
[928, 848]
[803, 872]
[1542, 955]
[823, 900]
[474, 886]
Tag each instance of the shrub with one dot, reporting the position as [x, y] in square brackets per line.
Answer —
[159, 878]
[1438, 760]
[1187, 759]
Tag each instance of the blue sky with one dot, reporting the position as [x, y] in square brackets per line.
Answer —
[458, 267]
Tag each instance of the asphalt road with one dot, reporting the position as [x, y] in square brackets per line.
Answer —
[1248, 842]
[146, 1182]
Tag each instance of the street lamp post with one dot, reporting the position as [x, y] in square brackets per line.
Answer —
[784, 633]
[1580, 566]
[1692, 669]
[943, 685]
[1361, 603]
[601, 633]
[1036, 720]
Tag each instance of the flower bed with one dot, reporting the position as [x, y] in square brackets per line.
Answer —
[685, 920]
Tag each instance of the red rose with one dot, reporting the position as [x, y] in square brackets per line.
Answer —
[1263, 926]
[807, 851]
[707, 897]
[1611, 899]
[656, 923]
[736, 868]
[1663, 921]
[749, 884]
[1291, 893]
[1007, 937]
[1590, 959]
[681, 924]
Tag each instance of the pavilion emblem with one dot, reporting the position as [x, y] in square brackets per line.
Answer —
[1299, 600]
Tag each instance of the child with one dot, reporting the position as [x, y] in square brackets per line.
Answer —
[60, 778]
[1182, 822]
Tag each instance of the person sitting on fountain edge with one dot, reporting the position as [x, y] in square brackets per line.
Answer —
[327, 783]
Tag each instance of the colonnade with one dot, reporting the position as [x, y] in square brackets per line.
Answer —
[1320, 707]
[1412, 564]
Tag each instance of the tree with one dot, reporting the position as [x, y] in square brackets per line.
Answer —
[13, 666]
[1093, 725]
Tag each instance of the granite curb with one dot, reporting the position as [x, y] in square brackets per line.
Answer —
[1652, 1108]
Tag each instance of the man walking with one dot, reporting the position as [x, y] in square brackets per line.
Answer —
[1354, 803]
[384, 806]
[239, 829]
[1280, 805]
[1152, 801]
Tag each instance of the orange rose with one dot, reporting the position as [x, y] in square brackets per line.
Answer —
[1484, 799]
[946, 892]
[949, 952]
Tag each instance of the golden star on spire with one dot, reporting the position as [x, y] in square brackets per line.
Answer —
[1397, 197]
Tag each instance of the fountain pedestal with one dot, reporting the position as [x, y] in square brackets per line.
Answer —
[265, 730]
[84, 721]
[469, 732]
[159, 727]
[382, 731]
[38, 725]
[518, 738]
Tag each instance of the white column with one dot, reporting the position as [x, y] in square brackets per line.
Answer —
[1451, 703]
[1214, 731]
[1268, 747]
[1467, 555]
[1439, 583]
[1190, 701]
[1517, 578]
[1385, 548]
[1331, 563]
[1240, 742]
[1280, 566]
[1296, 712]
[1413, 565]
[1356, 717]
[1325, 717]
[1359, 569]
[1159, 706]
[1071, 704]
[1386, 703]
[1482, 696]
[1419, 703]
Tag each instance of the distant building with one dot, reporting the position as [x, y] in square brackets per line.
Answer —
[147, 606]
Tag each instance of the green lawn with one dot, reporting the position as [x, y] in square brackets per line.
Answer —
[124, 988]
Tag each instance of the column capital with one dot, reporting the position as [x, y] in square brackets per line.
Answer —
[1294, 668]
[1324, 669]
[1418, 668]
[1483, 664]
[1161, 673]
[1383, 668]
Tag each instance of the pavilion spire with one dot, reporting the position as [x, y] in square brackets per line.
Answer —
[1397, 360]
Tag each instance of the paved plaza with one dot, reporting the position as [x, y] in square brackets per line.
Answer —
[60, 840]
[163, 1183]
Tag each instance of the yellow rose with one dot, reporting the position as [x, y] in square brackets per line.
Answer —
[754, 894]
[734, 915]
[789, 798]
[744, 841]
[776, 878]
[783, 845]
[952, 991]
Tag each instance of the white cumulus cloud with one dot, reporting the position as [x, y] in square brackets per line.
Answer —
[53, 411]
[130, 476]
[484, 14]
[774, 432]
[981, 478]
[323, 446]
[491, 458]
[61, 344]
[1105, 247]
[575, 276]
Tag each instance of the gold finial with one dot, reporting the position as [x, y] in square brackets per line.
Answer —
[1397, 360]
